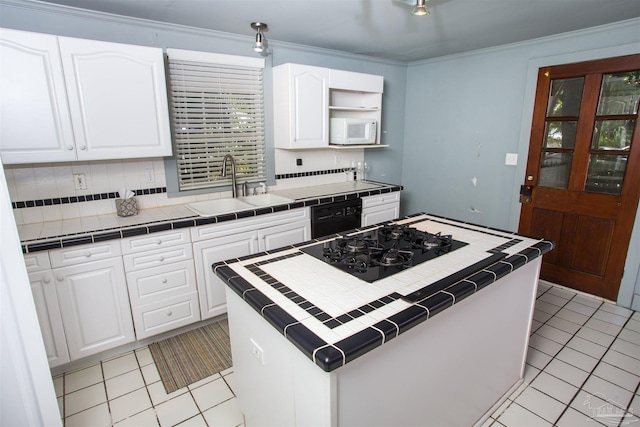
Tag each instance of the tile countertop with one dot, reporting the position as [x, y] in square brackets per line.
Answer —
[333, 317]
[70, 232]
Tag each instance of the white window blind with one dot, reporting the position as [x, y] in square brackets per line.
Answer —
[218, 109]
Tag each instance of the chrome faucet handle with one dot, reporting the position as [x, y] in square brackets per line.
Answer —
[264, 187]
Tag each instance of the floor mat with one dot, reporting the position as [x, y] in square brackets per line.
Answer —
[193, 355]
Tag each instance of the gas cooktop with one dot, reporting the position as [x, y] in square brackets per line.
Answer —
[382, 252]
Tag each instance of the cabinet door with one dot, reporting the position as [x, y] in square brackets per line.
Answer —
[49, 317]
[95, 306]
[380, 214]
[118, 99]
[210, 288]
[301, 101]
[35, 125]
[284, 235]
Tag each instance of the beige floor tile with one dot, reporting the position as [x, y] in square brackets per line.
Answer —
[123, 384]
[98, 416]
[211, 394]
[83, 399]
[58, 385]
[540, 404]
[197, 421]
[226, 414]
[516, 415]
[204, 381]
[76, 380]
[159, 395]
[150, 374]
[176, 410]
[146, 418]
[130, 404]
[144, 356]
[120, 365]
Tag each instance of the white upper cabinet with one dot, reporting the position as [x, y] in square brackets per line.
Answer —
[300, 101]
[74, 99]
[118, 99]
[306, 98]
[35, 124]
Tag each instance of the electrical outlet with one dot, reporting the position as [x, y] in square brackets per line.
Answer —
[511, 159]
[257, 351]
[80, 182]
[149, 176]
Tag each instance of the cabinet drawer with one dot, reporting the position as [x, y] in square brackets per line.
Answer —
[380, 199]
[159, 257]
[160, 283]
[230, 228]
[38, 261]
[81, 254]
[155, 241]
[153, 319]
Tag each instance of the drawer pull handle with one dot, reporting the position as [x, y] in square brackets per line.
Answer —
[87, 254]
[46, 280]
[83, 147]
[169, 313]
[161, 258]
[164, 280]
[60, 277]
[158, 242]
[69, 147]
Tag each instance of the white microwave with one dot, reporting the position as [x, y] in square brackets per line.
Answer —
[344, 131]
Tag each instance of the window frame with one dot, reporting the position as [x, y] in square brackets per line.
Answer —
[171, 163]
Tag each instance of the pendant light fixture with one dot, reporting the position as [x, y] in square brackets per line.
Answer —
[260, 43]
[420, 9]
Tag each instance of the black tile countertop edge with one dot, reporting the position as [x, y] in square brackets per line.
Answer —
[332, 356]
[35, 245]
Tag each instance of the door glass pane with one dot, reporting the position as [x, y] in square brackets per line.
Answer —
[606, 173]
[619, 94]
[560, 134]
[612, 134]
[565, 97]
[555, 169]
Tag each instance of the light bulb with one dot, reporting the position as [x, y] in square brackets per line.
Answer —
[420, 9]
[258, 45]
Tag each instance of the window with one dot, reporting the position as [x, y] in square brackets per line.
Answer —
[217, 109]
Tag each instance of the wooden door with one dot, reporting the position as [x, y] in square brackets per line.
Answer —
[583, 172]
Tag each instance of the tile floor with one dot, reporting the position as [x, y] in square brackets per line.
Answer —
[583, 369]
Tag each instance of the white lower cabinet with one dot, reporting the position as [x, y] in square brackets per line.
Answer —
[208, 252]
[220, 242]
[380, 208]
[45, 298]
[95, 306]
[161, 281]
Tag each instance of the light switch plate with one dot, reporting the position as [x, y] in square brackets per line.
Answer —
[511, 159]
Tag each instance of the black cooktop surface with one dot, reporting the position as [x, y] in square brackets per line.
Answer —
[382, 252]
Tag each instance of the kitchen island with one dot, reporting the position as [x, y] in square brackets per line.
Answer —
[442, 341]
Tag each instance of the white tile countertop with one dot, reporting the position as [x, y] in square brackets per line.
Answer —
[338, 314]
[66, 232]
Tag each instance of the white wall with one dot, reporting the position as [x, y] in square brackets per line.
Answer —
[27, 396]
[465, 112]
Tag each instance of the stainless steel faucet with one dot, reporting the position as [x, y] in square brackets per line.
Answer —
[234, 191]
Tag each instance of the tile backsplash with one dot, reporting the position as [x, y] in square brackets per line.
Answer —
[35, 187]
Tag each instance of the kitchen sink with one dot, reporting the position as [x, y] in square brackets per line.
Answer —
[219, 206]
[265, 200]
